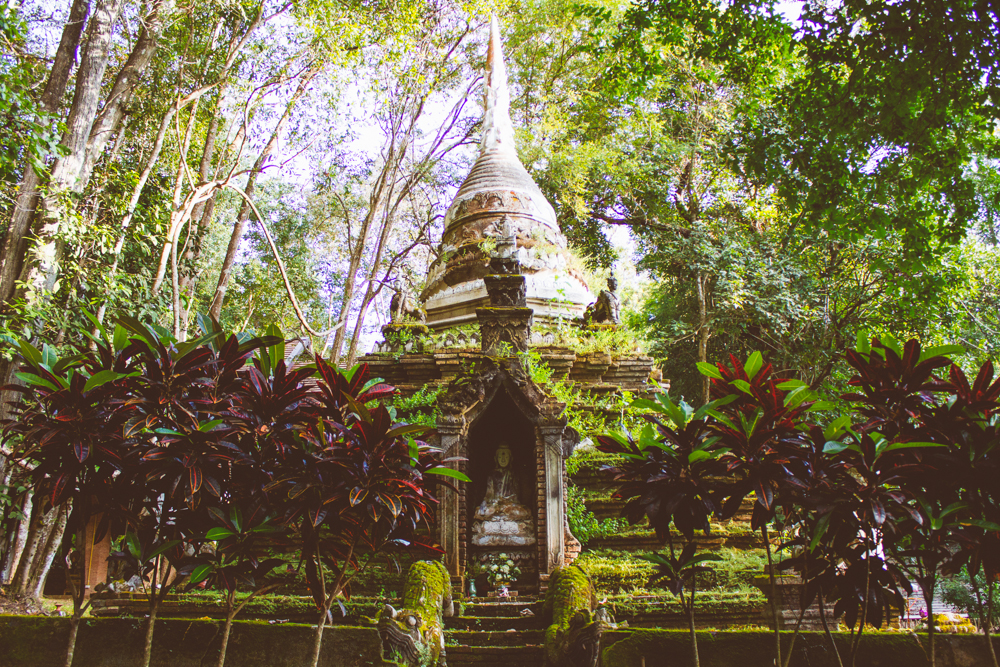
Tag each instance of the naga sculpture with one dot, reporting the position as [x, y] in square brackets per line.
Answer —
[574, 637]
[414, 635]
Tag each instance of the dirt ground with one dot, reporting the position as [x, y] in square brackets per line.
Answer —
[30, 607]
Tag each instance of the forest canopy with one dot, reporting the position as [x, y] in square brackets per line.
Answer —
[764, 176]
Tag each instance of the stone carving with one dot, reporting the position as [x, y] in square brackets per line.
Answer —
[607, 308]
[403, 307]
[505, 331]
[414, 635]
[501, 520]
[574, 638]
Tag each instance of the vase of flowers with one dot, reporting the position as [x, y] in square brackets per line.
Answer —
[501, 571]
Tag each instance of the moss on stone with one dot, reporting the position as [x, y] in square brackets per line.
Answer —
[426, 592]
[41, 642]
[570, 593]
[671, 648]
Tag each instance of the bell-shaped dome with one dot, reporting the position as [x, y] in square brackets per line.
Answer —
[499, 186]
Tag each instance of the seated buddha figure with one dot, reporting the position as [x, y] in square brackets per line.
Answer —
[501, 519]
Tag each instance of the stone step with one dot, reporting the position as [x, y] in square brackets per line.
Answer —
[495, 638]
[505, 609]
[493, 623]
[649, 542]
[496, 656]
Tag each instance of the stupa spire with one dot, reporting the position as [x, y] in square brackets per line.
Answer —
[498, 131]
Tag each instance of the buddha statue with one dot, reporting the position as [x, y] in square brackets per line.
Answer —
[607, 308]
[501, 519]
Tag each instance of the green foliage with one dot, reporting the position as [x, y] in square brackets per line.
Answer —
[419, 407]
[27, 136]
[957, 590]
[582, 522]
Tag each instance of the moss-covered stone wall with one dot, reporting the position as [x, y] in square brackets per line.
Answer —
[32, 641]
[671, 648]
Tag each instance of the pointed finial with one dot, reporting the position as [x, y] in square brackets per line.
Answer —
[498, 132]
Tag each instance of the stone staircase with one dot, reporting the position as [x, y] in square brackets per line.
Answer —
[495, 634]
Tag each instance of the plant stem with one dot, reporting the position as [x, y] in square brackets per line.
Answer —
[864, 611]
[989, 620]
[74, 626]
[773, 596]
[798, 625]
[929, 599]
[985, 613]
[694, 635]
[826, 628]
[230, 614]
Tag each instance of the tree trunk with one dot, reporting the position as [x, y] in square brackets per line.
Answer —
[703, 335]
[773, 596]
[985, 613]
[215, 310]
[43, 560]
[15, 241]
[929, 599]
[370, 289]
[202, 213]
[318, 639]
[19, 540]
[110, 116]
[74, 626]
[226, 629]
[694, 635]
[38, 535]
[826, 629]
[44, 261]
[147, 650]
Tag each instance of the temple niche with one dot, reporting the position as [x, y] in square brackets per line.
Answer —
[504, 285]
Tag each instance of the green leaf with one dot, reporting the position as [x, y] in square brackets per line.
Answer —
[864, 345]
[647, 404]
[788, 385]
[101, 329]
[121, 338]
[711, 370]
[742, 385]
[405, 429]
[648, 437]
[31, 378]
[163, 548]
[699, 455]
[49, 356]
[753, 364]
[449, 472]
[835, 447]
[798, 396]
[208, 426]
[912, 445]
[276, 352]
[836, 426]
[103, 377]
[30, 353]
[200, 573]
[820, 530]
[218, 533]
[940, 351]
